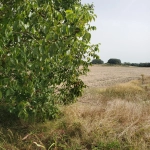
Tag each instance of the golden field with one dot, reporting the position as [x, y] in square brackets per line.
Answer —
[103, 76]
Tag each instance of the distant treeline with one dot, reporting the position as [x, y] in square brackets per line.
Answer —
[114, 61]
[137, 64]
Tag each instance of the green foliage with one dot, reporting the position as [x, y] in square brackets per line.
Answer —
[42, 46]
[115, 145]
[114, 61]
[97, 61]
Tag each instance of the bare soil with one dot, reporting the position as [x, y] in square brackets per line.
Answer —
[104, 76]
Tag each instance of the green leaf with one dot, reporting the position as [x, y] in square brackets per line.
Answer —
[53, 49]
[8, 92]
[87, 37]
[69, 11]
[1, 95]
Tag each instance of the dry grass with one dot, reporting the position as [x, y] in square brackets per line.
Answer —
[120, 113]
[121, 121]
[104, 76]
[110, 118]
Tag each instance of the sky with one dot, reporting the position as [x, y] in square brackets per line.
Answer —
[123, 29]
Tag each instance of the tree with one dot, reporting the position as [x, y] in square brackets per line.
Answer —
[97, 61]
[44, 48]
[114, 61]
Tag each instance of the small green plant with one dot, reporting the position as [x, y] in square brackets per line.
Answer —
[115, 145]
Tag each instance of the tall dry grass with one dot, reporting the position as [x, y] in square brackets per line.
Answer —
[114, 118]
[119, 120]
[116, 114]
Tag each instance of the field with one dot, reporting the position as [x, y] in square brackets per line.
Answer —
[104, 76]
[112, 114]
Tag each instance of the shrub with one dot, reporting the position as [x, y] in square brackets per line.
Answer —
[97, 61]
[127, 63]
[114, 61]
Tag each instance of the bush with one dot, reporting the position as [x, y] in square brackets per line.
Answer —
[97, 61]
[114, 61]
[127, 63]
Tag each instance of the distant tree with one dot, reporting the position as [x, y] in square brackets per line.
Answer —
[97, 61]
[114, 61]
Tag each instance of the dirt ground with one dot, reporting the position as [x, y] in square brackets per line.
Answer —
[104, 76]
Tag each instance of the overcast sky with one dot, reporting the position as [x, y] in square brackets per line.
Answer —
[123, 29]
